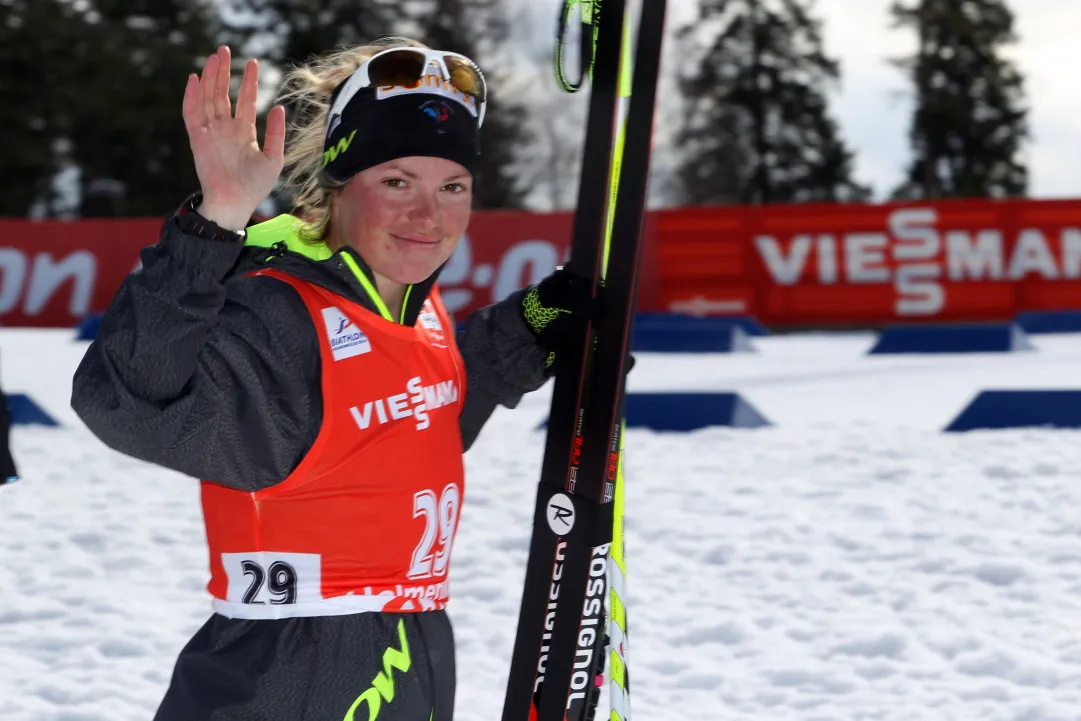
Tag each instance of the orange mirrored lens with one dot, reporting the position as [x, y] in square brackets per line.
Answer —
[464, 77]
[404, 68]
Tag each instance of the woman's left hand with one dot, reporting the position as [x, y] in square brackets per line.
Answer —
[556, 304]
[554, 307]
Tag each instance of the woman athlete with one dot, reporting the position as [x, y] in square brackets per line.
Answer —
[306, 371]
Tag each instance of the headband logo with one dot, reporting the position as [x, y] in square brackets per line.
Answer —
[439, 111]
[331, 154]
[436, 109]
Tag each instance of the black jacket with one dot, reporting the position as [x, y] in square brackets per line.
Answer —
[217, 376]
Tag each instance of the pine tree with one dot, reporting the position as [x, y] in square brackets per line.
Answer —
[134, 144]
[757, 127]
[968, 125]
[99, 87]
[43, 94]
[291, 32]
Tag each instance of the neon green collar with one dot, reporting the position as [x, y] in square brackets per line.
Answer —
[285, 229]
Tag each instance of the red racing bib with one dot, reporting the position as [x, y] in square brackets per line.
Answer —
[367, 520]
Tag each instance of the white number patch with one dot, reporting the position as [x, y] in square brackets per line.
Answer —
[273, 578]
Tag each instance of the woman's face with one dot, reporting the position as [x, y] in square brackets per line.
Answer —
[405, 217]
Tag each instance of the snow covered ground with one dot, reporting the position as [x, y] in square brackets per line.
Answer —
[850, 562]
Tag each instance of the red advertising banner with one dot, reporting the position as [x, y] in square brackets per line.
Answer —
[799, 265]
[55, 273]
[873, 264]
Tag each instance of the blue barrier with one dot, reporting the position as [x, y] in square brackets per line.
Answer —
[88, 328]
[24, 411]
[1020, 409]
[749, 324]
[677, 333]
[952, 338]
[688, 411]
[685, 334]
[1050, 321]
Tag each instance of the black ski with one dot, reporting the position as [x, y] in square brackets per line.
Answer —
[559, 650]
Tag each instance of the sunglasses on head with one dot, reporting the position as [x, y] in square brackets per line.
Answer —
[408, 67]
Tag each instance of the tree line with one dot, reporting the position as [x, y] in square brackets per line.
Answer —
[93, 89]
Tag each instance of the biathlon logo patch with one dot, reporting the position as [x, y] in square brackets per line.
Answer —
[346, 340]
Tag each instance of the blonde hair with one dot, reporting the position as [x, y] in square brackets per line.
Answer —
[306, 92]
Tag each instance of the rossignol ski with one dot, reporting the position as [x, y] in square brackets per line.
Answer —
[557, 664]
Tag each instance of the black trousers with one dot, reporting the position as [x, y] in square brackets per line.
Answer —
[359, 667]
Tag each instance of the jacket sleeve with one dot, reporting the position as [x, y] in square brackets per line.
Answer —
[502, 361]
[212, 378]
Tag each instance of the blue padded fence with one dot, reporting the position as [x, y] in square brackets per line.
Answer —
[24, 411]
[1050, 321]
[88, 328]
[664, 333]
[689, 411]
[952, 338]
[998, 409]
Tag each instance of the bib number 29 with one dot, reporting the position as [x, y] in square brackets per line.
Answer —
[440, 514]
[280, 581]
[270, 578]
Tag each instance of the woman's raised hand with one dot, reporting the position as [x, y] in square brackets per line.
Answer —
[235, 174]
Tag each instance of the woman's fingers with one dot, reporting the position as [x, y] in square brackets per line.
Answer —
[274, 138]
[223, 106]
[206, 88]
[246, 99]
[192, 110]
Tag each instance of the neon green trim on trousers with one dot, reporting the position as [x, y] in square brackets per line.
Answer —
[383, 684]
